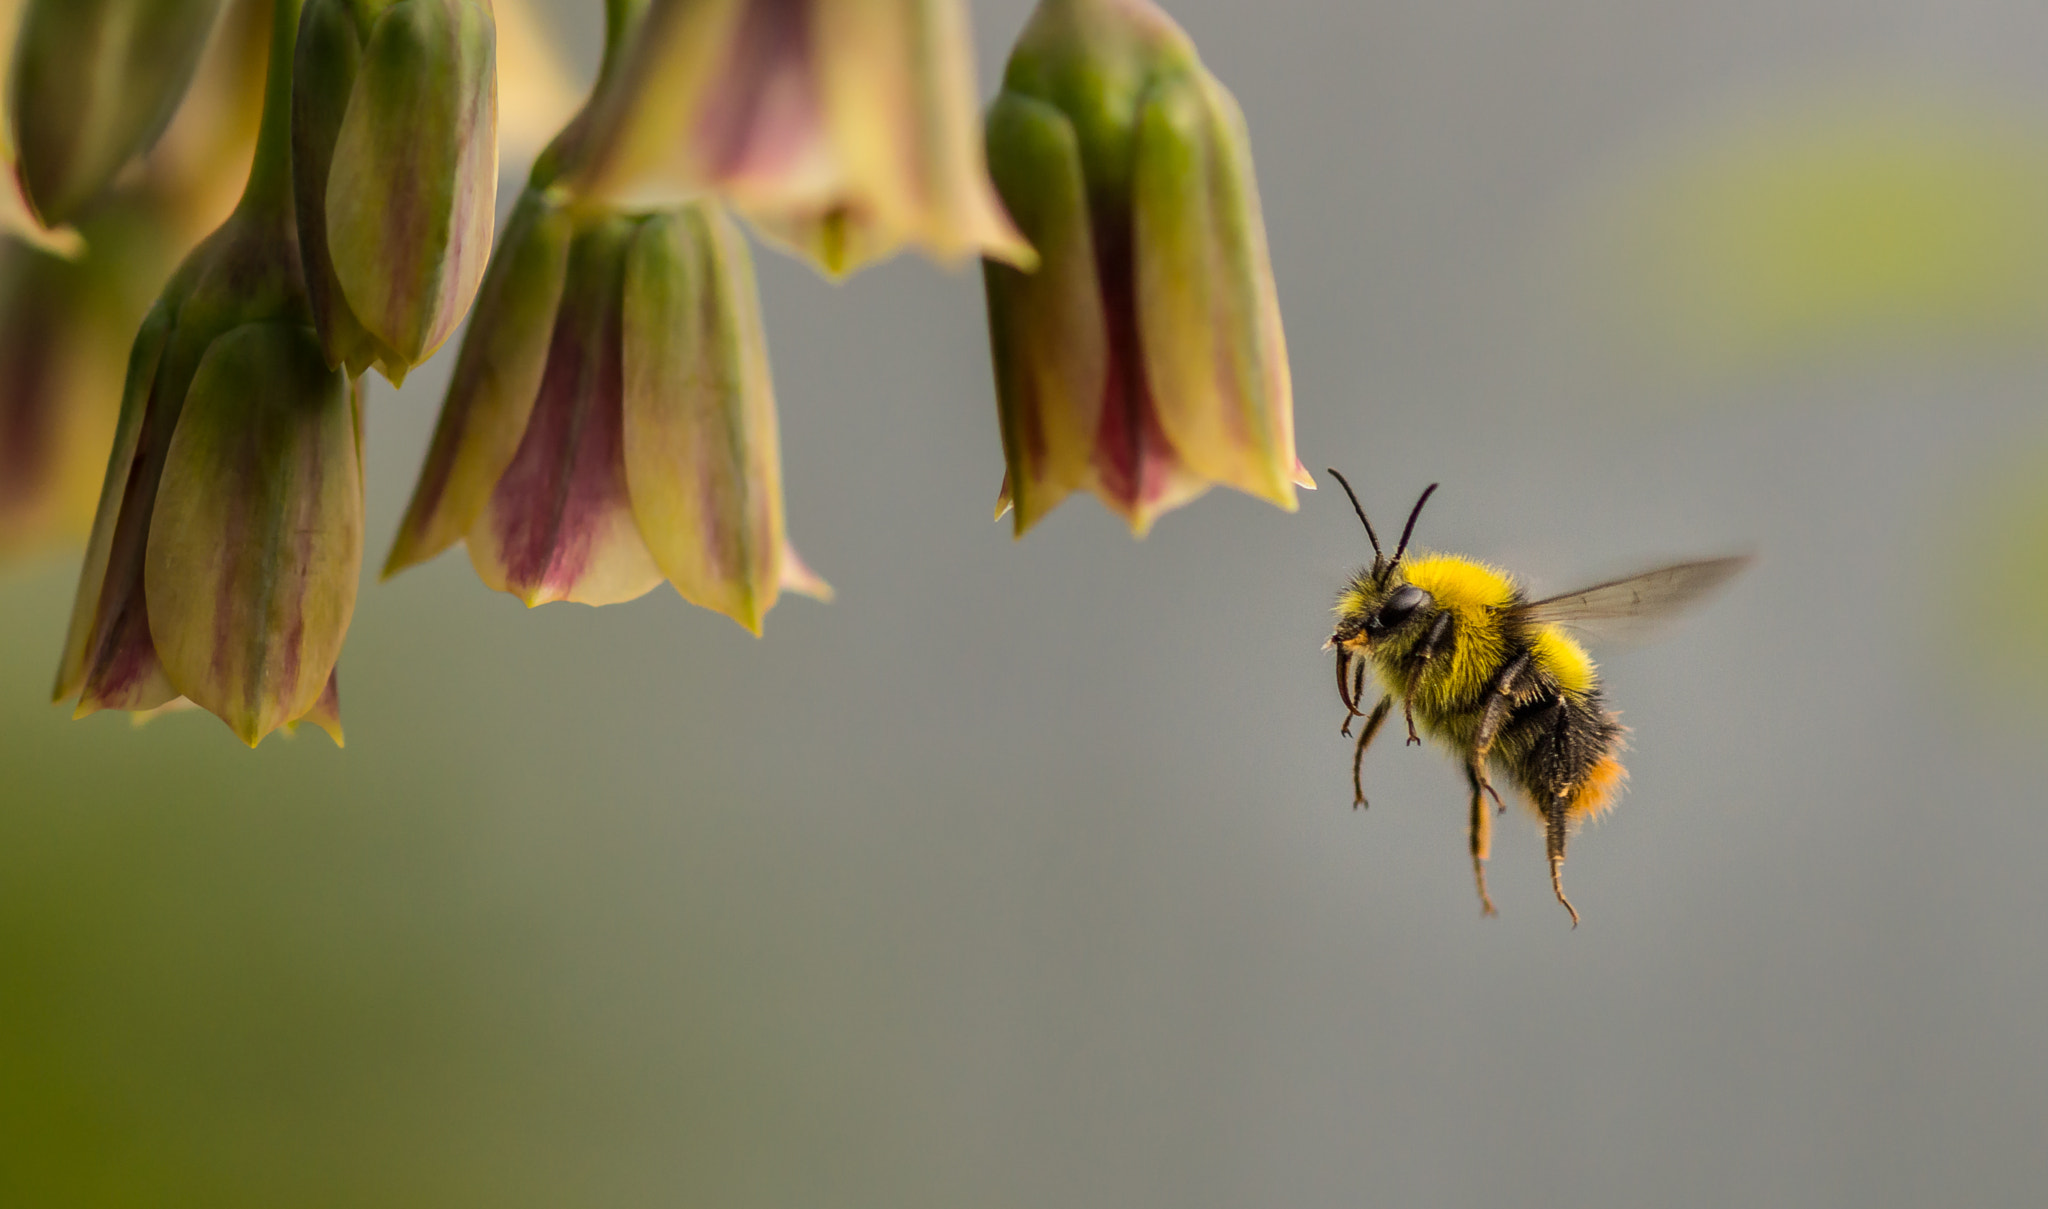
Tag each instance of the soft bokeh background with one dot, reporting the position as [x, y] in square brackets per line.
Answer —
[1025, 874]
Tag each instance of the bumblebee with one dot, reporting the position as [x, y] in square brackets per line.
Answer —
[1495, 677]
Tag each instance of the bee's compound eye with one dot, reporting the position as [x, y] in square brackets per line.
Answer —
[1401, 604]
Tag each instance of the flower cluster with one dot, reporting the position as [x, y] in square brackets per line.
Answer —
[610, 423]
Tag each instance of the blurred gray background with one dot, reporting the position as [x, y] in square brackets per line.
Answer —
[1025, 874]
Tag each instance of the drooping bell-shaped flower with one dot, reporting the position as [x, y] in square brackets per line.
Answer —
[1143, 360]
[67, 320]
[843, 129]
[395, 169]
[94, 82]
[611, 423]
[225, 552]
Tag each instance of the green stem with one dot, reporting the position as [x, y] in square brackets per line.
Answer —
[566, 155]
[621, 17]
[268, 196]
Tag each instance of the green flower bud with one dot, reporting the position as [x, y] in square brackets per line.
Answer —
[395, 166]
[224, 555]
[843, 129]
[1144, 360]
[611, 423]
[94, 83]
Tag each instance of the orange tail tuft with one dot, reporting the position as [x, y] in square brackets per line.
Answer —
[1598, 791]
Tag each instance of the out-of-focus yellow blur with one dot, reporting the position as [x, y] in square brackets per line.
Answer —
[1834, 224]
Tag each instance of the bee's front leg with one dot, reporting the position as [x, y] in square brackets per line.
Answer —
[1432, 641]
[1372, 727]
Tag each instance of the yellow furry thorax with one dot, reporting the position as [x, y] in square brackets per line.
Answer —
[1478, 596]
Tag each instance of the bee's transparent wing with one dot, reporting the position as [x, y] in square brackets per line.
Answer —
[1630, 608]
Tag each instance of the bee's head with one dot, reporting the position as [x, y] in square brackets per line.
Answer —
[1377, 604]
[1379, 601]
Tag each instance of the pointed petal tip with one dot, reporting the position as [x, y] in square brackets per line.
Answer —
[1014, 251]
[1302, 478]
[402, 558]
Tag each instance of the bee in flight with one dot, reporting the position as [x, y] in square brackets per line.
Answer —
[1494, 676]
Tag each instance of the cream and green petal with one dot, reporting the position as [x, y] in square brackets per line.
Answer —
[1049, 331]
[94, 82]
[1208, 315]
[143, 360]
[702, 459]
[255, 545]
[326, 711]
[896, 80]
[412, 188]
[642, 142]
[559, 522]
[497, 377]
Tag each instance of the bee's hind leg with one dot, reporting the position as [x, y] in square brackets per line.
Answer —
[1372, 727]
[1493, 714]
[1555, 822]
[1480, 831]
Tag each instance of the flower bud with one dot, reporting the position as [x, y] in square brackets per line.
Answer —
[225, 551]
[395, 166]
[223, 561]
[1144, 359]
[94, 83]
[611, 423]
[841, 128]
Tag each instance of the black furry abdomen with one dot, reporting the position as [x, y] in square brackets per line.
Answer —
[1553, 739]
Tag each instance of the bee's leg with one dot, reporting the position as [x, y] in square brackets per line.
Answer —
[1372, 727]
[1554, 823]
[1493, 714]
[1352, 692]
[1439, 631]
[1481, 834]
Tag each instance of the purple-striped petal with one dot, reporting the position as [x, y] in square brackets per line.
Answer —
[559, 524]
[108, 658]
[256, 541]
[1049, 329]
[497, 376]
[702, 455]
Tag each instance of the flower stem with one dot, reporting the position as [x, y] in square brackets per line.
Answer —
[268, 196]
[621, 17]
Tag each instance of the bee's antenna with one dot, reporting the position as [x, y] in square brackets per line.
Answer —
[1360, 510]
[1410, 530]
